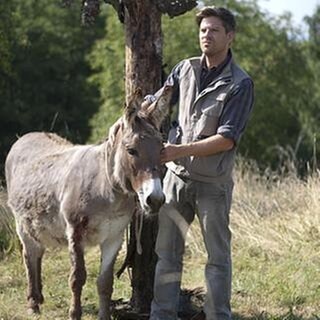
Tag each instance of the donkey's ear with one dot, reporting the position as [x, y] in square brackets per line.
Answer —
[160, 108]
[113, 131]
[133, 107]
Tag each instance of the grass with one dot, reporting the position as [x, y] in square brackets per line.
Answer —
[276, 257]
[276, 224]
[8, 239]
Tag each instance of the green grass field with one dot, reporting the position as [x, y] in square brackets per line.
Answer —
[276, 257]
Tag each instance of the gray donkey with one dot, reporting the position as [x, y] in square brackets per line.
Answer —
[78, 195]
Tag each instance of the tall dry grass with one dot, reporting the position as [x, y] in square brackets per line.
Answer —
[275, 221]
[272, 212]
[276, 213]
[8, 238]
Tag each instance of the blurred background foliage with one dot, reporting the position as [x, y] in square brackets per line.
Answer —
[56, 75]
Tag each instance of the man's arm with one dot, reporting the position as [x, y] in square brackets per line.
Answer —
[206, 147]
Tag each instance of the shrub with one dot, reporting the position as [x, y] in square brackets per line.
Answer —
[8, 237]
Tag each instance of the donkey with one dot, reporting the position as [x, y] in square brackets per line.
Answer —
[79, 195]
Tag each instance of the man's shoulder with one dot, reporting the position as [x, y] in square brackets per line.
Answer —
[188, 62]
[239, 73]
[194, 59]
[191, 63]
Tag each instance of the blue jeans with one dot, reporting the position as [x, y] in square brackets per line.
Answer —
[211, 203]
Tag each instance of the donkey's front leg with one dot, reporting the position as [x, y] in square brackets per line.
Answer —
[109, 252]
[78, 271]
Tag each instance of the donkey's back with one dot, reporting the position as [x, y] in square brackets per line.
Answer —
[34, 146]
[31, 152]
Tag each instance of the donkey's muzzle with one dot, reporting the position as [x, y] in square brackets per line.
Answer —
[155, 202]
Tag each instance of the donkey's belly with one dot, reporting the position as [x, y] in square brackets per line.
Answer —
[49, 230]
[54, 234]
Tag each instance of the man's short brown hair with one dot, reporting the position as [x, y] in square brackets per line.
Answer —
[225, 15]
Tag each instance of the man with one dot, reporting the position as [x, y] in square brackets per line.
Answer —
[215, 99]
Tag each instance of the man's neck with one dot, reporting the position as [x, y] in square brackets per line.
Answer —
[214, 61]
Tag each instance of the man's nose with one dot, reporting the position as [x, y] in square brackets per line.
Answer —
[206, 34]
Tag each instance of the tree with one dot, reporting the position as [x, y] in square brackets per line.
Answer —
[7, 35]
[43, 75]
[313, 56]
[107, 61]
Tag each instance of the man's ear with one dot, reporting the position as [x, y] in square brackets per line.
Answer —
[230, 36]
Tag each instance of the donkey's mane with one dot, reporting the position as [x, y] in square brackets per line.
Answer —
[57, 139]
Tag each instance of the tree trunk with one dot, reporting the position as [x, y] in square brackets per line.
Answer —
[143, 69]
[143, 46]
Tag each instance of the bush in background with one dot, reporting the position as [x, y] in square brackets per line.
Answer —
[8, 237]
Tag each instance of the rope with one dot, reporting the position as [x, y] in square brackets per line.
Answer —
[138, 230]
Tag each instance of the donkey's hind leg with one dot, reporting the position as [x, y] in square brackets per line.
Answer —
[32, 255]
[78, 272]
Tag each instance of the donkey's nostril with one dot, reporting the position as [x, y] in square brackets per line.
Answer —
[155, 202]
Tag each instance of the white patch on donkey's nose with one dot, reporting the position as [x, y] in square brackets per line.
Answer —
[151, 196]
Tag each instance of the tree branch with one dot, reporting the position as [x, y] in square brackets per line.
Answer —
[175, 7]
[90, 11]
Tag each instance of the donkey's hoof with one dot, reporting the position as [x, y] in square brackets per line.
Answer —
[33, 310]
[75, 314]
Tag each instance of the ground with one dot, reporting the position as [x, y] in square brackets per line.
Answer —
[191, 303]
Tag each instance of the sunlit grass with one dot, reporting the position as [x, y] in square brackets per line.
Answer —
[276, 257]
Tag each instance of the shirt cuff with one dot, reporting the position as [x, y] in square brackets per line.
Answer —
[228, 133]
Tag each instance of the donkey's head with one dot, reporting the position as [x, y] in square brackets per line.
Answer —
[138, 143]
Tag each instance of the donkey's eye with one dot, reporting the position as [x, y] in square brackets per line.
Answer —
[132, 152]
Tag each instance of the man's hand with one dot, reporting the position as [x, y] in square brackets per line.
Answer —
[171, 152]
[206, 147]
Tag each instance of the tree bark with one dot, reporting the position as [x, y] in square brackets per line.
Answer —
[143, 46]
[143, 70]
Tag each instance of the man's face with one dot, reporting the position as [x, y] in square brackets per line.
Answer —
[213, 37]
